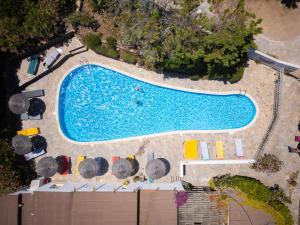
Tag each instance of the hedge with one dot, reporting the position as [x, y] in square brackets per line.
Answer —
[254, 190]
[92, 40]
[108, 52]
[128, 57]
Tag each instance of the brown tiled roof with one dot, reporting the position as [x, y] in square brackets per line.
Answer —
[90, 208]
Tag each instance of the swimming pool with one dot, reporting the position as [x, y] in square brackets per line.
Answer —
[99, 104]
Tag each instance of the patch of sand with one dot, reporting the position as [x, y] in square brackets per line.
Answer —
[279, 23]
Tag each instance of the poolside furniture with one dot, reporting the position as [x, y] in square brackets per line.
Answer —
[26, 116]
[18, 104]
[34, 154]
[131, 159]
[29, 132]
[47, 167]
[297, 138]
[122, 168]
[191, 150]
[239, 148]
[220, 151]
[21, 144]
[52, 56]
[34, 94]
[204, 150]
[63, 164]
[150, 156]
[88, 168]
[33, 65]
[80, 158]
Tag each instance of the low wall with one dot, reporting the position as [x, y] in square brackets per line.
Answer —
[271, 61]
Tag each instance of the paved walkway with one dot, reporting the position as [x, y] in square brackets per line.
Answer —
[288, 51]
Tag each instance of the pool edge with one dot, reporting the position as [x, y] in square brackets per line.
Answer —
[180, 132]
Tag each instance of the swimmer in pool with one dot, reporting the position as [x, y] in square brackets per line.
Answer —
[138, 88]
[139, 103]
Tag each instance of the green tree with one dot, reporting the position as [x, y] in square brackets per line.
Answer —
[268, 163]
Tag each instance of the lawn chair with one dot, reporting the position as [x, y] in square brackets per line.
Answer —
[220, 151]
[239, 148]
[204, 150]
[80, 158]
[29, 131]
[26, 116]
[52, 57]
[191, 150]
[33, 65]
[34, 94]
[34, 154]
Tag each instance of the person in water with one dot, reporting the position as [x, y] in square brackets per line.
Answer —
[139, 103]
[138, 88]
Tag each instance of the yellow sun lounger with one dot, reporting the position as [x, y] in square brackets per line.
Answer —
[80, 158]
[191, 150]
[220, 152]
[29, 131]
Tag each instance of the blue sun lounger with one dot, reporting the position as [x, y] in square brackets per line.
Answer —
[33, 65]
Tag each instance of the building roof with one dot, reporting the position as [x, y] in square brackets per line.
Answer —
[89, 208]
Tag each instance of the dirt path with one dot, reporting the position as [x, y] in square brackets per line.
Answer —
[279, 23]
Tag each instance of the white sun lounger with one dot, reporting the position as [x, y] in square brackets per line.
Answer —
[239, 148]
[34, 154]
[204, 150]
[34, 94]
[52, 56]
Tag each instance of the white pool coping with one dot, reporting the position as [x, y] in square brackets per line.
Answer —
[179, 132]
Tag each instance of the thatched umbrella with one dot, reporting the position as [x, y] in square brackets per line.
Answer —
[88, 168]
[47, 167]
[18, 104]
[122, 168]
[22, 144]
[156, 169]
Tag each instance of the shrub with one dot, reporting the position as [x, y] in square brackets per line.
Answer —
[195, 77]
[82, 19]
[92, 40]
[256, 191]
[108, 52]
[237, 76]
[111, 42]
[128, 57]
[268, 163]
[292, 181]
[181, 198]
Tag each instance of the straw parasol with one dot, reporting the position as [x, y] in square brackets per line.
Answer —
[22, 144]
[47, 167]
[88, 168]
[18, 104]
[156, 169]
[122, 168]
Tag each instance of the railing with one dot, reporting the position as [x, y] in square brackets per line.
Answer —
[277, 91]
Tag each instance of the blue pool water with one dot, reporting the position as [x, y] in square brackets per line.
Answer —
[97, 104]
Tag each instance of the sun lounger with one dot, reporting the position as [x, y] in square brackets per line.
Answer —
[29, 131]
[297, 138]
[204, 150]
[33, 94]
[150, 156]
[52, 57]
[33, 65]
[80, 158]
[191, 150]
[25, 116]
[220, 152]
[35, 153]
[239, 148]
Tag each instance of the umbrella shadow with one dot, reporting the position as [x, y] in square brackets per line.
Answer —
[39, 142]
[103, 166]
[37, 107]
[167, 164]
[136, 167]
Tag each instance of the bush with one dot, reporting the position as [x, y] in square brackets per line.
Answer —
[195, 77]
[111, 42]
[108, 52]
[255, 190]
[128, 57]
[268, 163]
[237, 76]
[82, 19]
[92, 40]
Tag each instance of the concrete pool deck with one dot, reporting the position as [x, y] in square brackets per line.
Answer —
[258, 81]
